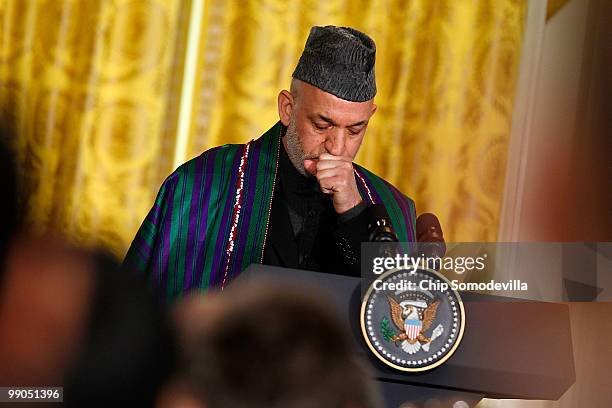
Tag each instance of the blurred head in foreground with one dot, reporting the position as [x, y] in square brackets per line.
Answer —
[8, 202]
[70, 317]
[254, 347]
[128, 351]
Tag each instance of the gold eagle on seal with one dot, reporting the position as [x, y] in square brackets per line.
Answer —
[413, 321]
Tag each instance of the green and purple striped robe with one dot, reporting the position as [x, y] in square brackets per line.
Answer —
[210, 218]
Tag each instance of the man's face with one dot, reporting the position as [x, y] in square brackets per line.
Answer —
[319, 122]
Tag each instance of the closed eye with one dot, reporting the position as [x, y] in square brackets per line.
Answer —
[354, 131]
[321, 126]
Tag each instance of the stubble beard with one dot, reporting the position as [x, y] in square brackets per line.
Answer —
[294, 149]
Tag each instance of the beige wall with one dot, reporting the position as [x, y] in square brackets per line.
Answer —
[559, 180]
[560, 190]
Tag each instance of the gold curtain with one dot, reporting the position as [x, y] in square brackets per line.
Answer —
[88, 87]
[446, 72]
[93, 88]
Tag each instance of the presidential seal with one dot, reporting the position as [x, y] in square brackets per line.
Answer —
[412, 320]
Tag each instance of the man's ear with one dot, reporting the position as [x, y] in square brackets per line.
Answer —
[285, 106]
[374, 107]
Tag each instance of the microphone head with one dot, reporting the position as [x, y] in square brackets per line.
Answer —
[378, 212]
[428, 228]
[429, 233]
[380, 227]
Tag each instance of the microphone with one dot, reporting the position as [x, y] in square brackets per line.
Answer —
[380, 228]
[429, 232]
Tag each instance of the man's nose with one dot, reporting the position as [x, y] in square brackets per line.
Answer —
[336, 142]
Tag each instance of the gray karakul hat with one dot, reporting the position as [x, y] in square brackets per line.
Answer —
[340, 61]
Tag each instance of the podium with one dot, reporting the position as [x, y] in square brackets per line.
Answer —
[510, 349]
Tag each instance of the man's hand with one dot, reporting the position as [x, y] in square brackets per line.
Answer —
[335, 176]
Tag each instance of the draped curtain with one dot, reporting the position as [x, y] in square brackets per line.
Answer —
[88, 88]
[93, 90]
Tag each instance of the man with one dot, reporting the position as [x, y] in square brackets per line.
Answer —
[261, 347]
[293, 197]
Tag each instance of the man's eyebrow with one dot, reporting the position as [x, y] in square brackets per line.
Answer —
[360, 123]
[325, 119]
[331, 122]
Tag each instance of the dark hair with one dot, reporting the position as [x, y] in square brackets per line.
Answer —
[128, 351]
[277, 349]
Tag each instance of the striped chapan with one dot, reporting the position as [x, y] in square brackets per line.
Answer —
[210, 218]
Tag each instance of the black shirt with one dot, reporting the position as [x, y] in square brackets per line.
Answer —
[305, 232]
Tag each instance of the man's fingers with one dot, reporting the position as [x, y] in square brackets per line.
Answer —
[326, 173]
[330, 164]
[330, 185]
[327, 156]
[336, 174]
[328, 161]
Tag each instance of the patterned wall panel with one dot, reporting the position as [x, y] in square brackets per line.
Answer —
[88, 87]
